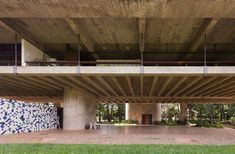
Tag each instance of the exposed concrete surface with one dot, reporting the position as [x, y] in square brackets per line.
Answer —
[136, 110]
[129, 135]
[29, 52]
[120, 70]
[79, 109]
[158, 112]
[183, 112]
[126, 111]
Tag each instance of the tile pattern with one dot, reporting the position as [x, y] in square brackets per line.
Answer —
[22, 117]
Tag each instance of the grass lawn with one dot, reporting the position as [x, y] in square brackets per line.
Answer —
[113, 149]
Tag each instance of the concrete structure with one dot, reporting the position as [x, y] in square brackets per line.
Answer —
[30, 53]
[183, 112]
[126, 111]
[137, 112]
[136, 52]
[79, 108]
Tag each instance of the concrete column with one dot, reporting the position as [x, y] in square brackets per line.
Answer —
[158, 112]
[126, 111]
[79, 108]
[183, 112]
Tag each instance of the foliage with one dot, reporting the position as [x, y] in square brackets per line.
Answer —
[170, 112]
[204, 123]
[130, 121]
[203, 115]
[110, 113]
[232, 119]
[210, 115]
[167, 123]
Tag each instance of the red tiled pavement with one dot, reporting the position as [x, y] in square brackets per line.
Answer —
[129, 135]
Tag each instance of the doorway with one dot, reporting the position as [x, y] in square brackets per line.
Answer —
[146, 118]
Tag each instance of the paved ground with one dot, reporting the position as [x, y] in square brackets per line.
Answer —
[129, 135]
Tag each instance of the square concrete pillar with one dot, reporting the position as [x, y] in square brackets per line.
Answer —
[183, 117]
[79, 108]
[126, 111]
[158, 112]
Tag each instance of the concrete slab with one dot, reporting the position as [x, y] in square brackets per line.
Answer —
[119, 70]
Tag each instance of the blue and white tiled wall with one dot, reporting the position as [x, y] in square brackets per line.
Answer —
[20, 117]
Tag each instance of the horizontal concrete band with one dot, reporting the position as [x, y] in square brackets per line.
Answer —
[118, 70]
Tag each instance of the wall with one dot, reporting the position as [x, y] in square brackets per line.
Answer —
[29, 52]
[135, 111]
[19, 117]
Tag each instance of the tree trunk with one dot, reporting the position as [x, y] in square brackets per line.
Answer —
[221, 112]
[120, 112]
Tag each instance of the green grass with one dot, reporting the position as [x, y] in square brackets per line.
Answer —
[113, 149]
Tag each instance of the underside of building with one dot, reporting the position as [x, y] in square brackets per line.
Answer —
[142, 53]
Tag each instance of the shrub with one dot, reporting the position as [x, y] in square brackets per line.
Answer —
[226, 122]
[216, 125]
[163, 121]
[131, 121]
[157, 122]
[205, 123]
[179, 122]
[232, 119]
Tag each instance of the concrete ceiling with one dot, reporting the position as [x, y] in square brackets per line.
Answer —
[118, 8]
[121, 34]
[212, 89]
[127, 25]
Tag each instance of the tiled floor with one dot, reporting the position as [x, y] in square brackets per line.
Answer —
[129, 135]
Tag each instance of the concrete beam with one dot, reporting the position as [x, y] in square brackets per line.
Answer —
[106, 84]
[164, 86]
[93, 83]
[36, 99]
[176, 86]
[116, 82]
[187, 86]
[153, 86]
[119, 70]
[84, 85]
[199, 39]
[142, 29]
[7, 25]
[135, 99]
[220, 88]
[204, 90]
[205, 30]
[141, 85]
[85, 38]
[197, 86]
[130, 86]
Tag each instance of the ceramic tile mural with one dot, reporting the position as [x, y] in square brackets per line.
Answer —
[20, 117]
